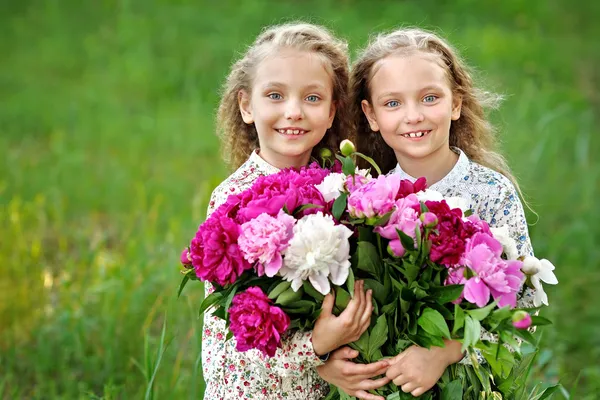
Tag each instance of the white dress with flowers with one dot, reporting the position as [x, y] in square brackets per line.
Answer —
[494, 199]
[230, 374]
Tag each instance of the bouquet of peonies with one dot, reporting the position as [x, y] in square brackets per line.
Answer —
[437, 272]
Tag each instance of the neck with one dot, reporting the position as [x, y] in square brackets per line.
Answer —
[434, 167]
[281, 161]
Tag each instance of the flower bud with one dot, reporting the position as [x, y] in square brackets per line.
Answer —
[521, 320]
[325, 153]
[185, 258]
[428, 219]
[347, 147]
[531, 265]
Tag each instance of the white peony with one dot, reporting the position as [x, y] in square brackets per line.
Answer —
[458, 202]
[509, 245]
[318, 251]
[429, 195]
[332, 186]
[539, 271]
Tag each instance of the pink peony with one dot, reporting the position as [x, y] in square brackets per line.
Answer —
[479, 225]
[255, 323]
[404, 218]
[456, 276]
[375, 198]
[264, 238]
[492, 275]
[360, 178]
[214, 251]
[269, 194]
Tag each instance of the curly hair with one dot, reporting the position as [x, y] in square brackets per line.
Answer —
[472, 132]
[240, 139]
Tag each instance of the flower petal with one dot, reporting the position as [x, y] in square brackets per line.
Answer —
[477, 292]
[320, 283]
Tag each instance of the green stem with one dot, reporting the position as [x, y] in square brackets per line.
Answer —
[369, 160]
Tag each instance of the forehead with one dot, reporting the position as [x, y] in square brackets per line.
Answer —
[409, 72]
[294, 68]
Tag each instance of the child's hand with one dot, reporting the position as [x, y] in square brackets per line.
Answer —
[354, 379]
[417, 369]
[331, 332]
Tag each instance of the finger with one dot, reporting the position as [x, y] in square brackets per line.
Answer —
[359, 296]
[361, 394]
[359, 372]
[350, 310]
[401, 379]
[368, 310]
[396, 369]
[344, 353]
[327, 307]
[372, 384]
[418, 391]
[408, 387]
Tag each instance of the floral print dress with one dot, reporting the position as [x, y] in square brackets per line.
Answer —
[230, 374]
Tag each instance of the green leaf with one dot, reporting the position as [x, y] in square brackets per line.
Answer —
[407, 242]
[312, 292]
[468, 213]
[350, 282]
[499, 358]
[342, 298]
[210, 301]
[378, 335]
[459, 319]
[379, 292]
[289, 296]
[368, 258]
[480, 313]
[411, 271]
[339, 206]
[302, 307]
[472, 332]
[348, 167]
[549, 391]
[383, 219]
[280, 288]
[452, 391]
[370, 161]
[539, 321]
[390, 308]
[184, 282]
[446, 294]
[362, 344]
[434, 323]
[526, 335]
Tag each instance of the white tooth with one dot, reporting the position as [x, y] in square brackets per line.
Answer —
[289, 132]
[413, 135]
[296, 132]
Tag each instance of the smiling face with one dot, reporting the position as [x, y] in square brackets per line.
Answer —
[412, 106]
[291, 106]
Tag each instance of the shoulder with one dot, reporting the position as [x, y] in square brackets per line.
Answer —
[491, 182]
[235, 183]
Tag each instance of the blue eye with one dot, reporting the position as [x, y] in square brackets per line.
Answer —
[392, 103]
[312, 98]
[275, 96]
[430, 98]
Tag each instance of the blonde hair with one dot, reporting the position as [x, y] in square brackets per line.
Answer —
[472, 132]
[240, 139]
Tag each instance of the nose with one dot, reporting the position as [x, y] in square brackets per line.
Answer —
[293, 110]
[413, 114]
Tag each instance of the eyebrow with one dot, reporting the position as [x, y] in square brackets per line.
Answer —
[398, 94]
[312, 86]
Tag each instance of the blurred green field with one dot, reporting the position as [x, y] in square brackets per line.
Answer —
[108, 157]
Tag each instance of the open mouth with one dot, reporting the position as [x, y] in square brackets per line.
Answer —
[294, 132]
[416, 134]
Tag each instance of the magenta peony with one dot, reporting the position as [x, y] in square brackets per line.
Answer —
[214, 251]
[256, 323]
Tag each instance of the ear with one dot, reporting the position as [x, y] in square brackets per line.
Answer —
[456, 107]
[332, 113]
[370, 114]
[245, 106]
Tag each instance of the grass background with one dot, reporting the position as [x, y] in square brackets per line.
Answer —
[108, 157]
